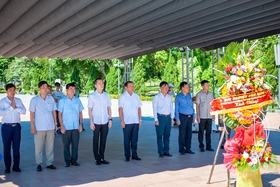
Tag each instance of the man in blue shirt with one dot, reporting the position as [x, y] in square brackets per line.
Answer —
[71, 124]
[184, 112]
[10, 109]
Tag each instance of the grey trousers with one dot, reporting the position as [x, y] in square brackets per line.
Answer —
[42, 138]
[71, 137]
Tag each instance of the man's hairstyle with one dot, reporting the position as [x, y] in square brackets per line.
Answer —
[204, 82]
[41, 83]
[127, 82]
[163, 83]
[10, 85]
[72, 84]
[95, 81]
[57, 84]
[182, 84]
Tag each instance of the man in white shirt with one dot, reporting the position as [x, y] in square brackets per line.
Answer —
[100, 116]
[10, 109]
[131, 118]
[163, 114]
[43, 124]
[57, 95]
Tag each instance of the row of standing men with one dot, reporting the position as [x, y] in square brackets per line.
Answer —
[47, 112]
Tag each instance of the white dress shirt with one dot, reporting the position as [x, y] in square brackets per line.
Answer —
[43, 109]
[11, 115]
[162, 105]
[130, 105]
[99, 104]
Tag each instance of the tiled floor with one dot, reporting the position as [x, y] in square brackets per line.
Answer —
[179, 170]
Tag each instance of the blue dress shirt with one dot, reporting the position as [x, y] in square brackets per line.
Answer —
[183, 105]
[70, 112]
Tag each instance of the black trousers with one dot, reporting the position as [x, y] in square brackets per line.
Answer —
[11, 136]
[71, 137]
[205, 124]
[99, 141]
[130, 136]
[185, 132]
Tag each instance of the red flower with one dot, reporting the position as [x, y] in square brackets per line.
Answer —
[227, 69]
[268, 144]
[247, 150]
[250, 52]
[252, 78]
[230, 65]
[241, 149]
[248, 160]
[262, 160]
[227, 77]
[269, 158]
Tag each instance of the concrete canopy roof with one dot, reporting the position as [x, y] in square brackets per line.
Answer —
[107, 29]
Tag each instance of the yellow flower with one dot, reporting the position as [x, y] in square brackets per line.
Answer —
[239, 72]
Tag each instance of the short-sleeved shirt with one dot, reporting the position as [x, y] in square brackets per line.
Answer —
[43, 109]
[204, 99]
[11, 115]
[99, 104]
[70, 112]
[162, 105]
[130, 105]
[57, 95]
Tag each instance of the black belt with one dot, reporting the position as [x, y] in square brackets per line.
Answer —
[11, 124]
[165, 115]
[187, 115]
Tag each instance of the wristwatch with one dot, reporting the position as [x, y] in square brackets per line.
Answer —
[110, 119]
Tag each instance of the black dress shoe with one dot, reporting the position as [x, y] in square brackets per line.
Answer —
[7, 170]
[127, 159]
[167, 154]
[66, 164]
[104, 162]
[97, 162]
[182, 152]
[75, 164]
[17, 169]
[209, 149]
[51, 167]
[189, 151]
[39, 168]
[136, 158]
[202, 150]
[160, 155]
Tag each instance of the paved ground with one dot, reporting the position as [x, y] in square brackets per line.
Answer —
[179, 170]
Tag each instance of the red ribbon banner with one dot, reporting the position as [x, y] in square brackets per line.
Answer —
[224, 105]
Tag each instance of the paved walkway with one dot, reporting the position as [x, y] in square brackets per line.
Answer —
[152, 171]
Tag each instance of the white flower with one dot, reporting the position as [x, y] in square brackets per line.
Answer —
[245, 155]
[250, 163]
[254, 160]
[234, 78]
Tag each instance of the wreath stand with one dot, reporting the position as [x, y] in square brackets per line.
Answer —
[223, 129]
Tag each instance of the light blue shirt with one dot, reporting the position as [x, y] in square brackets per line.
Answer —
[162, 105]
[183, 105]
[43, 116]
[70, 112]
[99, 104]
[130, 105]
[11, 115]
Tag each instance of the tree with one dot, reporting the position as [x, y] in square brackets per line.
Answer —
[75, 77]
[92, 76]
[171, 72]
[112, 81]
[139, 80]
